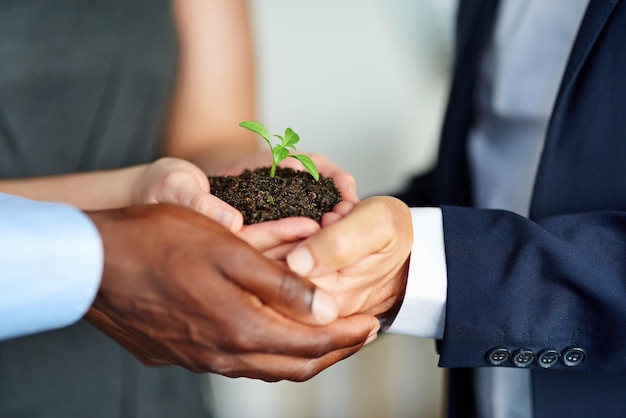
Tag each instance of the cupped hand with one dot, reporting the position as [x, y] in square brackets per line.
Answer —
[179, 289]
[172, 180]
[361, 258]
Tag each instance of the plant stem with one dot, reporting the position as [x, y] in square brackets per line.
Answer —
[273, 170]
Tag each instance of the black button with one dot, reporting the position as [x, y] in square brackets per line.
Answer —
[548, 358]
[573, 356]
[497, 356]
[523, 358]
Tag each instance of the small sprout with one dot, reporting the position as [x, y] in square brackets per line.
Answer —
[280, 151]
[270, 200]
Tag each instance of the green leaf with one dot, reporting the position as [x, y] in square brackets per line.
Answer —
[291, 138]
[282, 141]
[279, 153]
[308, 164]
[258, 128]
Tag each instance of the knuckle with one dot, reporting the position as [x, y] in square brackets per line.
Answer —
[349, 178]
[173, 179]
[321, 344]
[394, 206]
[236, 342]
[337, 246]
[307, 370]
[294, 291]
[389, 213]
[199, 203]
[222, 365]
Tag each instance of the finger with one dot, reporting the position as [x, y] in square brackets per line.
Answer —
[279, 287]
[274, 368]
[340, 210]
[330, 218]
[314, 342]
[266, 235]
[187, 167]
[179, 175]
[190, 188]
[279, 253]
[343, 208]
[217, 210]
[306, 341]
[368, 229]
[345, 182]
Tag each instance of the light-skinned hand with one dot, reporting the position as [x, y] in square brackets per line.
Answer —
[172, 180]
[360, 257]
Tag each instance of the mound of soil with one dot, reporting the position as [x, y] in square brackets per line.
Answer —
[289, 193]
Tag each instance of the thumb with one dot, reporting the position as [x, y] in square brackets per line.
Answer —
[217, 210]
[277, 286]
[190, 188]
[368, 229]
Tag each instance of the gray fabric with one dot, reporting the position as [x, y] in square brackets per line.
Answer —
[78, 372]
[84, 85]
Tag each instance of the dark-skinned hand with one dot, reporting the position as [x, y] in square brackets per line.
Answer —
[179, 289]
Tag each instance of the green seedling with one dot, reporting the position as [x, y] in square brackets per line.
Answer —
[280, 151]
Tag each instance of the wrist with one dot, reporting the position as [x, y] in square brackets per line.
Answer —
[135, 185]
[387, 318]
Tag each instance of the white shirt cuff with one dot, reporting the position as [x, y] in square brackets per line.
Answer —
[423, 310]
[51, 261]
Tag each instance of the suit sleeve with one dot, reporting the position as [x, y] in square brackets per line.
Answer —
[546, 294]
[51, 262]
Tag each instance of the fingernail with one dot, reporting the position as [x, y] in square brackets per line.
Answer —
[324, 307]
[373, 335]
[300, 261]
[223, 217]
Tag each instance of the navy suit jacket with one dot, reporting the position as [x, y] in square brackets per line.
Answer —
[549, 290]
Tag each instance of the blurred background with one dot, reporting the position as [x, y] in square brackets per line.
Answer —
[363, 82]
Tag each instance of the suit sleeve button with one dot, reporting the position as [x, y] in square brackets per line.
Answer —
[573, 356]
[548, 358]
[497, 356]
[523, 358]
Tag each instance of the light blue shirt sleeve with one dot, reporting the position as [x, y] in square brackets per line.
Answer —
[51, 261]
[423, 310]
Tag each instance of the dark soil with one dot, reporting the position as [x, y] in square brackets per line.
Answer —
[290, 193]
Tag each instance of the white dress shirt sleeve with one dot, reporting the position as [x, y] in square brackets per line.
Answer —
[423, 311]
[51, 261]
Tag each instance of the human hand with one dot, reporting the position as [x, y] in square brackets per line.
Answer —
[179, 289]
[172, 180]
[275, 239]
[361, 258]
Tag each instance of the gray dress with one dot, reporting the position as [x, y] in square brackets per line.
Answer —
[84, 85]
